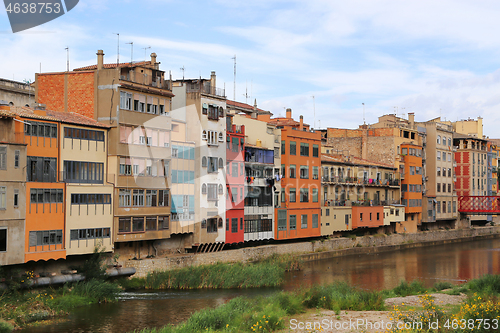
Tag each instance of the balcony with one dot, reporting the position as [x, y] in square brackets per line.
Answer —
[211, 90]
[360, 181]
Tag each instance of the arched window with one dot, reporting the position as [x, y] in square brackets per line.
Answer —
[221, 112]
[221, 163]
[204, 161]
[220, 222]
[204, 135]
[439, 139]
[204, 189]
[221, 137]
[221, 190]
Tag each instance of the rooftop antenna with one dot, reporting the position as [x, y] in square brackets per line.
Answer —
[246, 94]
[234, 83]
[314, 111]
[183, 69]
[67, 56]
[131, 52]
[118, 49]
[364, 122]
[145, 48]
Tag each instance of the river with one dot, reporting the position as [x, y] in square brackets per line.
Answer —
[457, 263]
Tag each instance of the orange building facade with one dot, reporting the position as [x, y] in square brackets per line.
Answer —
[411, 181]
[300, 212]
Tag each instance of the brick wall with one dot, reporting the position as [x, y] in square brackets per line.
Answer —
[381, 149]
[50, 91]
[353, 145]
[81, 93]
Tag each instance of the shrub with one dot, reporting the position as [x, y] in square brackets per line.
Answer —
[405, 289]
[487, 284]
[5, 327]
[443, 285]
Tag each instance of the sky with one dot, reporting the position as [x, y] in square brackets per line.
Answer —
[321, 58]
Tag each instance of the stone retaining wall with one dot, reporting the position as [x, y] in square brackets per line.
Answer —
[313, 250]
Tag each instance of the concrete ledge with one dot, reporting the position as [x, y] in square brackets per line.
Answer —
[315, 250]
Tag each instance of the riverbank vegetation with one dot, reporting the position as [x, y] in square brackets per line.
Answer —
[273, 313]
[267, 273]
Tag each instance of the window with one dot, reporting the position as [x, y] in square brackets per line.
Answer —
[439, 139]
[83, 172]
[46, 195]
[315, 172]
[293, 148]
[212, 192]
[16, 198]
[3, 240]
[283, 145]
[235, 169]
[3, 197]
[315, 151]
[449, 141]
[90, 198]
[125, 100]
[292, 170]
[315, 195]
[124, 224]
[315, 220]
[293, 222]
[304, 195]
[304, 149]
[138, 198]
[282, 219]
[276, 152]
[84, 134]
[303, 221]
[212, 225]
[234, 225]
[3, 158]
[16, 159]
[438, 171]
[438, 156]
[304, 172]
[444, 156]
[46, 237]
[212, 165]
[292, 195]
[438, 187]
[42, 169]
[41, 129]
[449, 172]
[137, 224]
[449, 157]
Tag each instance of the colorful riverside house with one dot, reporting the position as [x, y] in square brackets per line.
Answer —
[358, 193]
[300, 185]
[182, 188]
[202, 107]
[68, 207]
[262, 171]
[12, 188]
[134, 100]
[235, 181]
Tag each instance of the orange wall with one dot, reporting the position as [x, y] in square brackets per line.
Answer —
[366, 221]
[44, 217]
[414, 161]
[300, 208]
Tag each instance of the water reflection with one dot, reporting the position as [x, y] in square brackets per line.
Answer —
[147, 309]
[450, 262]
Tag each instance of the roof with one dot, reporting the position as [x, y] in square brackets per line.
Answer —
[465, 136]
[352, 160]
[121, 65]
[62, 117]
[248, 107]
[281, 121]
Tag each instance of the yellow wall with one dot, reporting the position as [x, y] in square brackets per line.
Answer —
[336, 220]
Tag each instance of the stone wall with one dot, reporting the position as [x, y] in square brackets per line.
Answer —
[314, 250]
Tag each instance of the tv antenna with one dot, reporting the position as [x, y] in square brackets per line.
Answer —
[145, 48]
[118, 49]
[364, 122]
[234, 83]
[67, 56]
[183, 69]
[246, 94]
[131, 52]
[314, 111]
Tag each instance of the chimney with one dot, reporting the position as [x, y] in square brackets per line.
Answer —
[411, 118]
[301, 122]
[212, 79]
[100, 59]
[254, 112]
[153, 60]
[289, 113]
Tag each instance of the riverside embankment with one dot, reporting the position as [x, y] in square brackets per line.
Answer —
[318, 249]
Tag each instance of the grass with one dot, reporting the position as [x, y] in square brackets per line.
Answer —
[23, 307]
[267, 314]
[267, 273]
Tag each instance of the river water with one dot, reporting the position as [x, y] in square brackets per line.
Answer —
[146, 309]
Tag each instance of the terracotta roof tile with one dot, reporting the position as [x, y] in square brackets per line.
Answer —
[244, 106]
[123, 64]
[352, 160]
[63, 117]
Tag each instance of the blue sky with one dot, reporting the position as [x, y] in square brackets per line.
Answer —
[428, 57]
